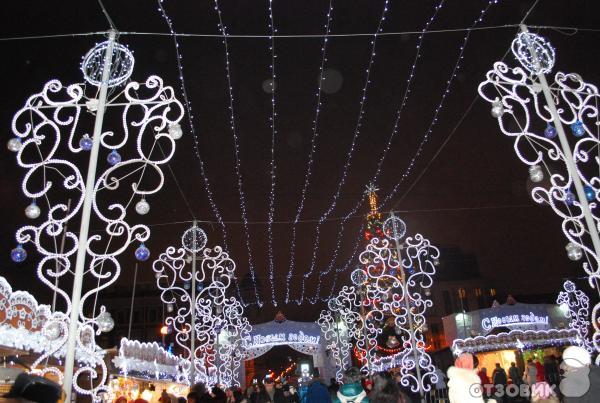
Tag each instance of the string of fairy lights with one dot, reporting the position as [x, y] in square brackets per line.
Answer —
[313, 147]
[342, 181]
[238, 163]
[431, 126]
[273, 171]
[387, 148]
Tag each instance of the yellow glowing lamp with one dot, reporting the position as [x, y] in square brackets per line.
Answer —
[164, 330]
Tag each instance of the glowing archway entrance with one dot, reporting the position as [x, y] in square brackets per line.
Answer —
[303, 337]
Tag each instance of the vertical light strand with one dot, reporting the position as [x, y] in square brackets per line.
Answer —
[348, 162]
[273, 171]
[313, 146]
[190, 116]
[441, 104]
[348, 262]
[373, 180]
[238, 163]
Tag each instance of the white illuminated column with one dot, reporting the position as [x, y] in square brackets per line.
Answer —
[210, 327]
[397, 274]
[577, 306]
[563, 164]
[51, 137]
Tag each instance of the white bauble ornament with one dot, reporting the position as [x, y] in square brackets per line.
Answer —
[536, 173]
[14, 144]
[105, 322]
[175, 131]
[497, 109]
[52, 331]
[32, 211]
[574, 252]
[142, 207]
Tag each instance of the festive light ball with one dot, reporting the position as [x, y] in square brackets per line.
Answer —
[436, 261]
[394, 228]
[541, 60]
[142, 253]
[497, 109]
[14, 144]
[194, 239]
[358, 277]
[199, 287]
[574, 252]
[32, 211]
[427, 292]
[18, 254]
[52, 330]
[187, 285]
[550, 131]
[570, 198]
[175, 131]
[114, 157]
[536, 173]
[578, 129]
[392, 341]
[169, 308]
[86, 143]
[105, 322]
[590, 193]
[142, 207]
[333, 304]
[157, 275]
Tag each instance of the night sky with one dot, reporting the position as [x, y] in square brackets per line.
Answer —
[474, 195]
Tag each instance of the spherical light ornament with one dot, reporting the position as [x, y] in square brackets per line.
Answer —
[333, 304]
[436, 261]
[550, 131]
[570, 198]
[157, 275]
[392, 341]
[169, 308]
[269, 86]
[114, 157]
[142, 253]
[427, 292]
[86, 143]
[543, 60]
[18, 254]
[175, 131]
[122, 63]
[574, 252]
[32, 211]
[358, 277]
[52, 330]
[590, 193]
[578, 129]
[14, 144]
[105, 322]
[187, 285]
[569, 286]
[142, 207]
[497, 109]
[394, 228]
[194, 239]
[536, 173]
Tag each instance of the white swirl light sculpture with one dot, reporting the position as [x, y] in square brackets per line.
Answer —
[577, 306]
[399, 271]
[51, 141]
[563, 162]
[210, 327]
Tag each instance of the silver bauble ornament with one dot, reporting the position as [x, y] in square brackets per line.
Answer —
[536, 173]
[142, 207]
[574, 252]
[32, 211]
[157, 275]
[175, 131]
[497, 109]
[427, 292]
[14, 144]
[169, 308]
[424, 328]
[52, 330]
[392, 341]
[105, 322]
[436, 261]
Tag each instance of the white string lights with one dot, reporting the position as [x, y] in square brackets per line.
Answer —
[188, 107]
[313, 147]
[273, 171]
[535, 115]
[577, 306]
[350, 152]
[238, 163]
[49, 129]
[373, 180]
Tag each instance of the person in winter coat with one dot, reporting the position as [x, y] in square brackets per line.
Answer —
[515, 374]
[530, 372]
[463, 381]
[351, 391]
[317, 392]
[541, 376]
[386, 390]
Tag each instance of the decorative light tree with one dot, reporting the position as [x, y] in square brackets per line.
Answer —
[577, 306]
[563, 168]
[51, 141]
[397, 275]
[209, 326]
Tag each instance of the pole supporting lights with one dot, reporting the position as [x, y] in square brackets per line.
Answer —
[50, 133]
[556, 132]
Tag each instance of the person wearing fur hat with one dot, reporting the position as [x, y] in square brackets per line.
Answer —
[464, 384]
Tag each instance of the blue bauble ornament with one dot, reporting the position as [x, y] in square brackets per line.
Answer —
[590, 193]
[86, 143]
[142, 253]
[18, 254]
[578, 129]
[570, 198]
[550, 131]
[113, 158]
